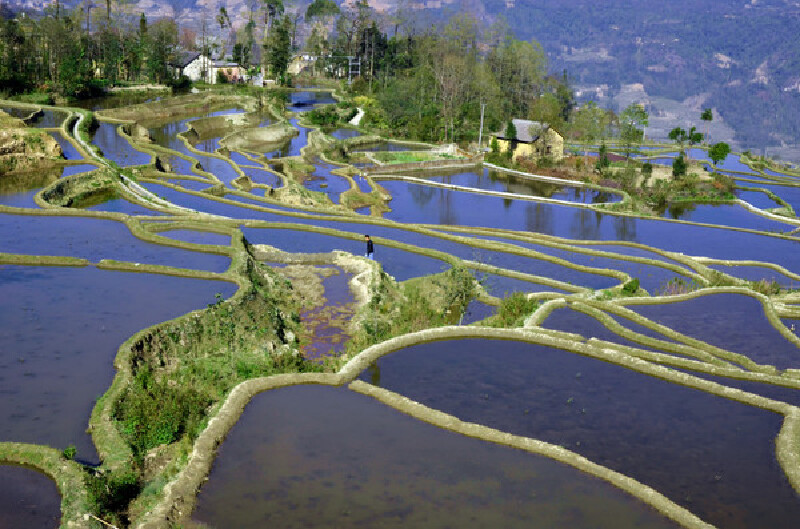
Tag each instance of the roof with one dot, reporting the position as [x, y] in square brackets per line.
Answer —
[224, 64]
[184, 58]
[527, 131]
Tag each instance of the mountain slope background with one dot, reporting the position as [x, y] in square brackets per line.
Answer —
[741, 58]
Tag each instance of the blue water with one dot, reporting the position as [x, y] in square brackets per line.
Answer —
[262, 176]
[405, 474]
[197, 237]
[75, 169]
[322, 175]
[305, 101]
[502, 286]
[60, 329]
[343, 134]
[398, 263]
[95, 239]
[733, 215]
[121, 205]
[491, 180]
[757, 273]
[293, 146]
[730, 321]
[417, 203]
[70, 152]
[758, 199]
[117, 148]
[711, 455]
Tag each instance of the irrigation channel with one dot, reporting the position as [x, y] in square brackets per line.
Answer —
[669, 401]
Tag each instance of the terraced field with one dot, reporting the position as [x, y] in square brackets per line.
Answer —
[608, 370]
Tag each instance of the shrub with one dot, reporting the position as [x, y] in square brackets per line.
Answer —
[69, 452]
[631, 287]
[513, 310]
[679, 166]
[111, 493]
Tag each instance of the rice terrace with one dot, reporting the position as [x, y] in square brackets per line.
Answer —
[603, 336]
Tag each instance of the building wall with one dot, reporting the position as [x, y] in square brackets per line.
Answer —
[552, 139]
[194, 70]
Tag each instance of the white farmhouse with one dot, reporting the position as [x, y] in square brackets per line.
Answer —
[193, 65]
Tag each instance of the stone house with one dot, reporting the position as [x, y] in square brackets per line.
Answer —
[533, 140]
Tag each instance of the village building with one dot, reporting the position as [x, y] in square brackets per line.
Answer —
[533, 140]
[193, 65]
[232, 71]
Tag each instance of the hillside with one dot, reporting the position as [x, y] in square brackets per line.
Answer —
[740, 58]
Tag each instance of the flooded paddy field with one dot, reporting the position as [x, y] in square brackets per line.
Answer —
[738, 322]
[404, 473]
[315, 455]
[709, 454]
[28, 499]
[95, 239]
[59, 333]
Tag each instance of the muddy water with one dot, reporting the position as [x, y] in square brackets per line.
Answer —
[328, 322]
[714, 456]
[60, 329]
[28, 499]
[340, 459]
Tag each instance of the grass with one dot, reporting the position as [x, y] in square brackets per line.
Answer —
[411, 157]
[513, 311]
[423, 303]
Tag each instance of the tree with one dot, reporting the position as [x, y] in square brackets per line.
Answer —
[693, 137]
[679, 166]
[707, 116]
[223, 20]
[602, 158]
[511, 138]
[718, 152]
[589, 124]
[277, 49]
[272, 9]
[678, 135]
[322, 9]
[632, 122]
[162, 38]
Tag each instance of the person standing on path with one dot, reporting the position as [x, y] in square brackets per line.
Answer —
[370, 247]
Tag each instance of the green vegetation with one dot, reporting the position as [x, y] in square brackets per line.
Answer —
[513, 310]
[333, 115]
[422, 303]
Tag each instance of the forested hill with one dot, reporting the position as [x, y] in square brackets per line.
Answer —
[740, 57]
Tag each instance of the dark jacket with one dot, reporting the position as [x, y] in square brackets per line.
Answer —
[370, 248]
